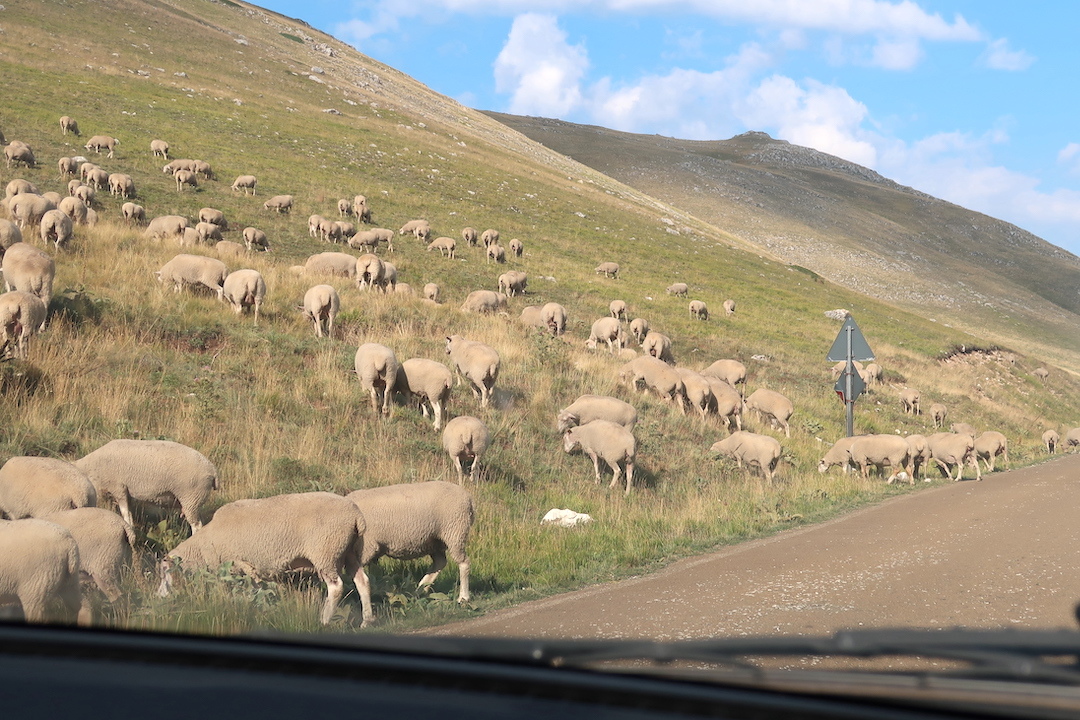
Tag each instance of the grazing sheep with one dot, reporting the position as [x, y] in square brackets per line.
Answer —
[609, 330]
[429, 382]
[9, 235]
[772, 406]
[255, 239]
[19, 152]
[29, 270]
[360, 209]
[27, 209]
[752, 449]
[36, 486]
[320, 531]
[476, 362]
[377, 369]
[699, 310]
[245, 183]
[989, 445]
[517, 247]
[53, 197]
[639, 328]
[445, 245]
[698, 392]
[18, 186]
[732, 372]
[657, 376]
[554, 317]
[411, 520]
[214, 217]
[431, 292]
[314, 223]
[513, 282]
[938, 412]
[208, 232]
[608, 269]
[39, 569]
[201, 167]
[159, 147]
[69, 124]
[80, 213]
[964, 429]
[607, 441]
[133, 213]
[189, 238]
[530, 315]
[321, 305]
[331, 263]
[228, 248]
[465, 439]
[156, 472]
[839, 455]
[194, 270]
[659, 346]
[617, 308]
[105, 545]
[678, 289]
[370, 239]
[344, 207]
[86, 194]
[98, 178]
[181, 164]
[881, 451]
[1041, 373]
[100, 142]
[1051, 439]
[920, 454]
[388, 279]
[489, 237]
[329, 231]
[588, 408]
[954, 449]
[369, 271]
[67, 166]
[420, 229]
[729, 307]
[1072, 439]
[121, 184]
[165, 226]
[909, 401]
[484, 302]
[839, 368]
[21, 314]
[872, 374]
[404, 289]
[345, 230]
[470, 236]
[243, 289]
[726, 403]
[185, 177]
[56, 227]
[496, 252]
[279, 203]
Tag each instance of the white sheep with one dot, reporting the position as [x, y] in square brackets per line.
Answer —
[67, 166]
[202, 168]
[920, 454]
[214, 217]
[388, 279]
[909, 401]
[484, 302]
[752, 449]
[964, 428]
[412, 520]
[607, 441]
[320, 531]
[329, 231]
[185, 177]
[554, 317]
[617, 308]
[9, 234]
[431, 292]
[596, 407]
[19, 186]
[105, 545]
[727, 403]
[954, 449]
[697, 391]
[156, 472]
[489, 237]
[517, 247]
[279, 203]
[165, 226]
[28, 208]
[37, 486]
[428, 382]
[495, 252]
[609, 330]
[420, 229]
[86, 195]
[699, 310]
[255, 239]
[21, 314]
[1072, 439]
[346, 230]
[657, 376]
[658, 345]
[371, 239]
[476, 362]
[321, 305]
[314, 223]
[882, 451]
[530, 315]
[19, 152]
[121, 184]
[69, 124]
[56, 227]
[938, 412]
[173, 166]
[360, 209]
[132, 212]
[377, 369]
[29, 270]
[243, 289]
[76, 209]
[639, 328]
[369, 271]
[1050, 440]
[678, 289]
[245, 183]
[195, 271]
[331, 263]
[465, 439]
[469, 235]
[513, 282]
[872, 374]
[208, 232]
[229, 249]
[102, 142]
[608, 269]
[989, 445]
[838, 455]
[445, 245]
[1041, 373]
[772, 406]
[39, 569]
[159, 147]
[729, 307]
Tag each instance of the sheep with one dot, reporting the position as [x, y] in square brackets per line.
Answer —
[1041, 373]
[953, 449]
[21, 314]
[772, 406]
[607, 441]
[331, 263]
[201, 167]
[166, 226]
[370, 239]
[431, 292]
[1072, 438]
[255, 239]
[156, 472]
[360, 209]
[329, 231]
[617, 308]
[554, 317]
[838, 455]
[496, 252]
[608, 269]
[920, 454]
[678, 289]
[872, 374]
[19, 186]
[588, 408]
[279, 203]
[36, 486]
[346, 230]
[387, 281]
[405, 289]
[214, 217]
[729, 307]
[19, 152]
[208, 232]
[188, 238]
[313, 224]
[86, 194]
[99, 142]
[530, 315]
[752, 449]
[659, 346]
[344, 207]
[181, 164]
[9, 235]
[839, 368]
[726, 402]
[489, 237]
[465, 439]
[484, 302]
[194, 270]
[39, 569]
[369, 270]
[245, 183]
[67, 166]
[469, 235]
[185, 177]
[964, 428]
[909, 401]
[53, 197]
[881, 451]
[732, 372]
[412, 520]
[609, 330]
[420, 229]
[27, 209]
[56, 227]
[517, 247]
[938, 412]
[513, 282]
[1050, 439]
[69, 124]
[98, 178]
[320, 531]
[133, 213]
[445, 245]
[228, 248]
[989, 445]
[86, 167]
[159, 147]
[29, 270]
[429, 382]
[243, 289]
[377, 368]
[657, 376]
[105, 544]
[476, 362]
[121, 184]
[699, 310]
[698, 392]
[321, 304]
[639, 328]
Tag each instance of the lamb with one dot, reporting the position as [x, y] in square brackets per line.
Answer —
[489, 237]
[121, 184]
[420, 229]
[517, 247]
[159, 147]
[431, 292]
[37, 486]
[938, 412]
[608, 269]
[609, 330]
[617, 308]
[377, 368]
[752, 449]
[678, 289]
[920, 454]
[243, 289]
[132, 213]
[279, 203]
[881, 451]
[369, 271]
[476, 362]
[19, 152]
[989, 445]
[69, 124]
[588, 408]
[412, 520]
[726, 403]
[954, 449]
[105, 544]
[698, 392]
[699, 310]
[21, 314]
[166, 226]
[513, 283]
[469, 235]
[729, 307]
[554, 316]
[67, 166]
[838, 455]
[1050, 439]
[245, 183]
[607, 441]
[39, 569]
[321, 304]
[56, 227]
[185, 177]
[156, 472]
[99, 142]
[656, 375]
[29, 270]
[255, 239]
[909, 401]
[496, 252]
[428, 382]
[639, 328]
[484, 302]
[659, 346]
[465, 439]
[1072, 438]
[9, 235]
[331, 263]
[194, 270]
[208, 232]
[320, 531]
[772, 406]
[445, 245]
[732, 372]
[964, 428]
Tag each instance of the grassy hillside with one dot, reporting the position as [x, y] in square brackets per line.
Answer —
[279, 410]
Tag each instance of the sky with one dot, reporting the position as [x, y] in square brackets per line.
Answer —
[971, 101]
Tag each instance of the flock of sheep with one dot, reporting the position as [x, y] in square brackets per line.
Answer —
[55, 531]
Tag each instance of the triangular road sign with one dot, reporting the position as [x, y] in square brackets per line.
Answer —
[858, 385]
[860, 350]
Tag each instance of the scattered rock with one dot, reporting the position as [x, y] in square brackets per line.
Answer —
[565, 518]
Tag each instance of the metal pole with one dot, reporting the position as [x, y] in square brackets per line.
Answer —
[849, 402]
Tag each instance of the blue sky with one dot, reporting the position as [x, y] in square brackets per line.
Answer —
[973, 102]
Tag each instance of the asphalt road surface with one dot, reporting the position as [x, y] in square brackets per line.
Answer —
[1004, 552]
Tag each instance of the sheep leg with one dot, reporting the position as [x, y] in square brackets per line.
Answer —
[615, 472]
[123, 502]
[460, 471]
[438, 562]
[596, 465]
[437, 411]
[629, 476]
[474, 472]
[335, 588]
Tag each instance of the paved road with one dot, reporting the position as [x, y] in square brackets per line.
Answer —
[1001, 552]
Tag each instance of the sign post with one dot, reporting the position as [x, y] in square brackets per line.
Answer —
[849, 346]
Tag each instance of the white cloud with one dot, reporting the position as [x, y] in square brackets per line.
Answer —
[998, 56]
[897, 54]
[539, 68]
